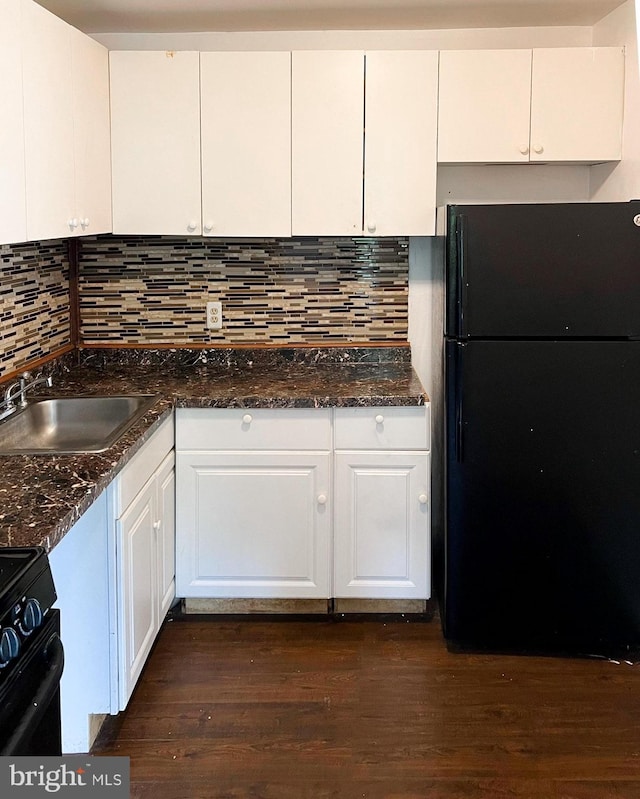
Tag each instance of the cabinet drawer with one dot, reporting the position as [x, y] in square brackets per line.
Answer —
[144, 463]
[253, 429]
[403, 428]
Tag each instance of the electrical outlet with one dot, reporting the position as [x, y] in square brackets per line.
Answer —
[214, 315]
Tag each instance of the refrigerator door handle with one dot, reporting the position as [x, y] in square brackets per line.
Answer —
[459, 407]
[461, 248]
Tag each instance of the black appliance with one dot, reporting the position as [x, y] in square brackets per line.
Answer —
[31, 655]
[542, 384]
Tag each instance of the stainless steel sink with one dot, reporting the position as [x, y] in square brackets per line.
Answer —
[71, 424]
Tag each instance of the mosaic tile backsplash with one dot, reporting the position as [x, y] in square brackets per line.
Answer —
[142, 290]
[34, 302]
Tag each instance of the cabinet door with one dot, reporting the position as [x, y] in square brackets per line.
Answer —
[137, 566]
[13, 220]
[327, 122]
[166, 535]
[381, 538]
[246, 144]
[253, 525]
[155, 138]
[92, 135]
[48, 121]
[483, 107]
[401, 111]
[577, 104]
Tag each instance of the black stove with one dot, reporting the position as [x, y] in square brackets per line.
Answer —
[27, 593]
[31, 654]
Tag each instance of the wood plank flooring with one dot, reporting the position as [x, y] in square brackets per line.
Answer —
[290, 709]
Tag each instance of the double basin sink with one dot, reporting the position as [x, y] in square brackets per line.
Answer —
[71, 424]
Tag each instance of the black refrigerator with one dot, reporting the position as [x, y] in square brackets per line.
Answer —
[542, 404]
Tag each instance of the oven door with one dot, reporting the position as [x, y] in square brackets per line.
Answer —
[30, 695]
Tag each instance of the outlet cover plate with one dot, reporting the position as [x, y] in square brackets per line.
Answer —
[214, 315]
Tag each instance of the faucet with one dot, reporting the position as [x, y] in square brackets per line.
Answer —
[8, 403]
[18, 390]
[26, 383]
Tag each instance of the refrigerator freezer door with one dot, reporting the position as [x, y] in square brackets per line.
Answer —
[544, 271]
[543, 496]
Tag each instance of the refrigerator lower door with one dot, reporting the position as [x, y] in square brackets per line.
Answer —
[543, 496]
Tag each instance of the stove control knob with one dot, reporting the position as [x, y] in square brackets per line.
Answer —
[31, 616]
[9, 646]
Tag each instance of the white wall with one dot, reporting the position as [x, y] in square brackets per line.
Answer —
[621, 182]
[573, 36]
[517, 183]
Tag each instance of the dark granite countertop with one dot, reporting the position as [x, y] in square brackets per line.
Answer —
[42, 496]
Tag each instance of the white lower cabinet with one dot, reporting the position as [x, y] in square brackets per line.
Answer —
[382, 503]
[112, 608]
[143, 508]
[381, 543]
[253, 503]
[258, 524]
[266, 509]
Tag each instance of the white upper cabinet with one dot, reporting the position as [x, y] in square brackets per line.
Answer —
[483, 109]
[577, 104]
[91, 133]
[550, 105]
[246, 143]
[327, 125]
[13, 220]
[401, 107]
[66, 128]
[48, 116]
[155, 137]
[364, 129]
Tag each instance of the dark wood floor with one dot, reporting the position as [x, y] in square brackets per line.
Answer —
[258, 709]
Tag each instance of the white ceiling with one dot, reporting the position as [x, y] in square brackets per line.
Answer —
[162, 16]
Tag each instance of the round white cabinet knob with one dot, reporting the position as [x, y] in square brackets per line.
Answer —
[379, 419]
[371, 226]
[423, 499]
[247, 418]
[85, 222]
[156, 525]
[538, 148]
[636, 220]
[73, 223]
[208, 227]
[524, 149]
[322, 499]
[192, 226]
